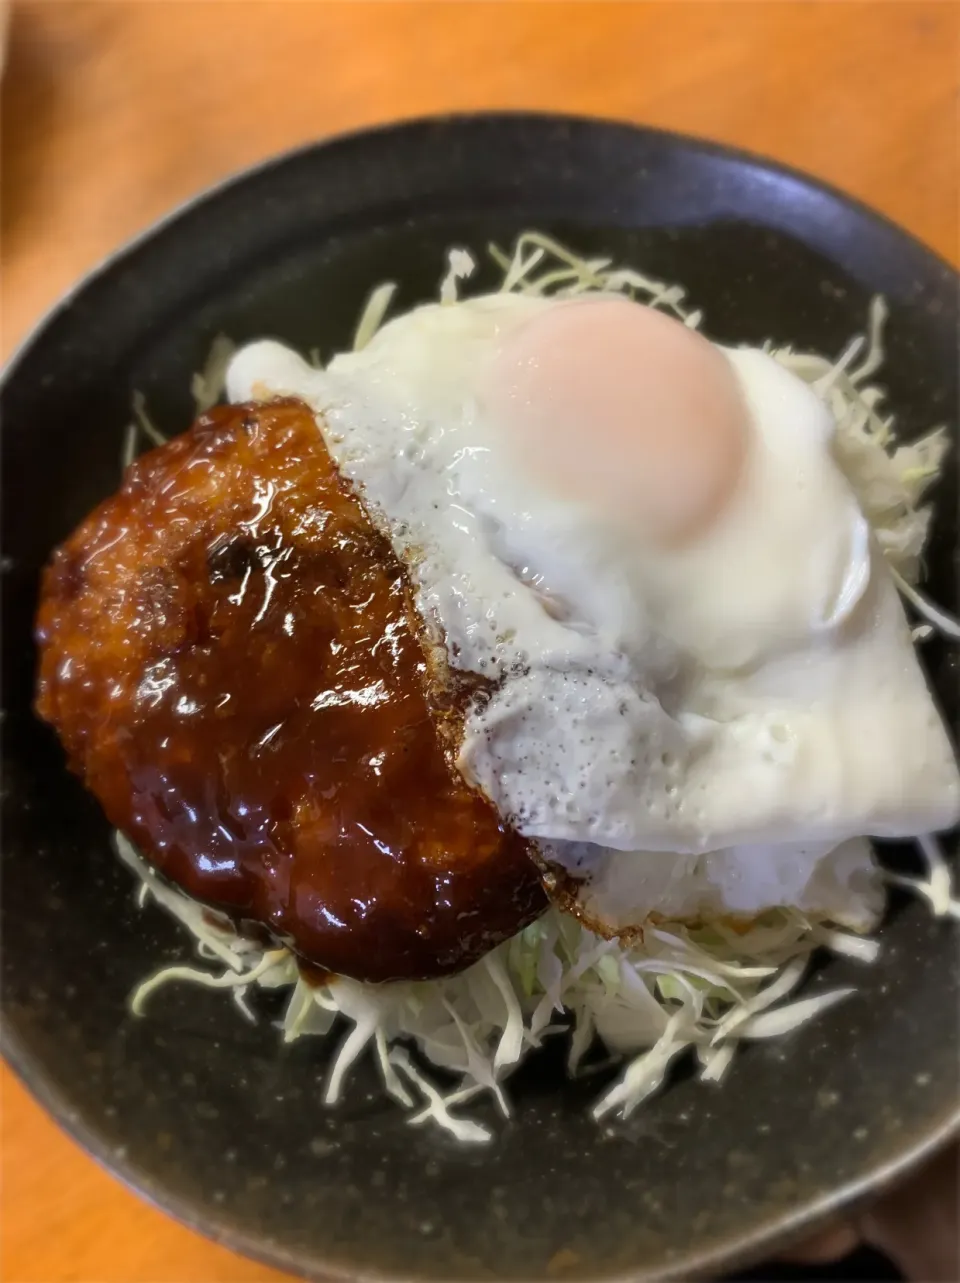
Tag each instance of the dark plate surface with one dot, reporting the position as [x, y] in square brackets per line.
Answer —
[208, 1115]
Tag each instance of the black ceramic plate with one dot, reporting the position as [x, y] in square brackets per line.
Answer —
[207, 1114]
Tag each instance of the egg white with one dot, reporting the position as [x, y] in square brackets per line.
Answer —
[618, 891]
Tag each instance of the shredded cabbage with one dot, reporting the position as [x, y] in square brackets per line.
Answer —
[207, 386]
[143, 423]
[890, 479]
[937, 887]
[938, 619]
[681, 989]
[373, 313]
[461, 266]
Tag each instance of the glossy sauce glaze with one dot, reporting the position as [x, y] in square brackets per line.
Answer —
[229, 653]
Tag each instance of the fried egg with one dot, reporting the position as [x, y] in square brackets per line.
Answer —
[704, 683]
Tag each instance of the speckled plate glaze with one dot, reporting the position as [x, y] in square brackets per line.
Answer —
[208, 1115]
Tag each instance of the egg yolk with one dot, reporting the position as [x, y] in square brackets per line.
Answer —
[620, 407]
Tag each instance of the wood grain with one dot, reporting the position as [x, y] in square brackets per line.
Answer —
[114, 111]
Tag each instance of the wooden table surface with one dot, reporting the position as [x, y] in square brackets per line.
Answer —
[115, 110]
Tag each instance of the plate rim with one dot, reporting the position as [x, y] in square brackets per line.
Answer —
[749, 1247]
[363, 133]
[752, 1248]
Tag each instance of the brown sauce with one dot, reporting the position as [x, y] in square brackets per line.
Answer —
[229, 654]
